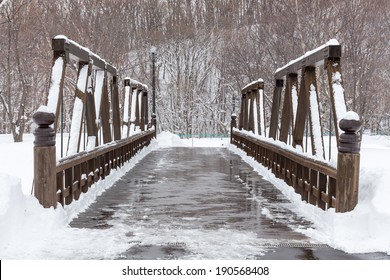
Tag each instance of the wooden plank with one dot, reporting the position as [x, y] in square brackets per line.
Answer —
[331, 191]
[251, 119]
[306, 178]
[293, 80]
[258, 153]
[298, 172]
[325, 198]
[288, 171]
[91, 171]
[274, 122]
[126, 108]
[143, 110]
[242, 111]
[283, 167]
[300, 119]
[68, 194]
[256, 112]
[90, 115]
[315, 194]
[111, 162]
[115, 109]
[77, 179]
[105, 113]
[314, 183]
[286, 118]
[261, 107]
[322, 186]
[246, 111]
[137, 106]
[60, 187]
[84, 173]
[333, 203]
[101, 162]
[294, 181]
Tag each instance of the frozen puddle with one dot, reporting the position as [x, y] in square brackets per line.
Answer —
[199, 203]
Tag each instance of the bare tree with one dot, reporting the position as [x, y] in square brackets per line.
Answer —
[208, 50]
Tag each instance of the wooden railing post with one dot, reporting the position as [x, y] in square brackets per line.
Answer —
[233, 124]
[116, 119]
[45, 189]
[273, 128]
[348, 165]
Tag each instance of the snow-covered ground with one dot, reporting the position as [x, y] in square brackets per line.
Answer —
[30, 232]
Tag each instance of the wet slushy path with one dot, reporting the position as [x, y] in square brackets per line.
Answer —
[202, 203]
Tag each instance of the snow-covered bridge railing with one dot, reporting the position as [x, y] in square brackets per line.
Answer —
[252, 116]
[311, 175]
[76, 174]
[99, 140]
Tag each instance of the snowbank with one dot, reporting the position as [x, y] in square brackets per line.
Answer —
[366, 228]
[25, 225]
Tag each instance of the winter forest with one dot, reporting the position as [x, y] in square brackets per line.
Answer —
[206, 52]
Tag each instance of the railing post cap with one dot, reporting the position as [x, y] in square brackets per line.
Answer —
[44, 134]
[349, 141]
[43, 118]
[234, 116]
[350, 125]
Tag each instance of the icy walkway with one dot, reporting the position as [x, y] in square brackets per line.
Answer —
[201, 203]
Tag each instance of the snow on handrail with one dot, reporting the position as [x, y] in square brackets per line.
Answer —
[75, 52]
[135, 84]
[311, 58]
[254, 85]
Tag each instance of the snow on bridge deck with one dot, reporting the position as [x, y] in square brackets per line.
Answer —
[201, 203]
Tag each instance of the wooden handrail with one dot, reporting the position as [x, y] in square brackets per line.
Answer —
[76, 53]
[79, 158]
[311, 163]
[77, 174]
[313, 58]
[315, 181]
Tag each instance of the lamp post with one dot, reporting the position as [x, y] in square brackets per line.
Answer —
[153, 51]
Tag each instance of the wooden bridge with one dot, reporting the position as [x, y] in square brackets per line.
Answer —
[101, 140]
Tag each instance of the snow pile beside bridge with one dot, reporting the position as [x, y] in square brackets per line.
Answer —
[25, 225]
[366, 228]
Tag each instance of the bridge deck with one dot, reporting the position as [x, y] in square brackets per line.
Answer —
[201, 203]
